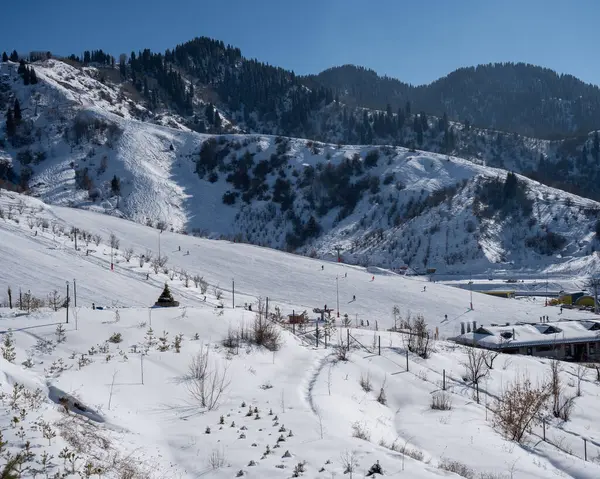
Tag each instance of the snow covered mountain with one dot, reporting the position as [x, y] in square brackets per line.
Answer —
[87, 142]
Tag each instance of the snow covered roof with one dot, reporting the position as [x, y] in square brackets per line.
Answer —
[530, 334]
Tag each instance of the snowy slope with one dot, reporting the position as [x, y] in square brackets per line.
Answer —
[414, 208]
[157, 430]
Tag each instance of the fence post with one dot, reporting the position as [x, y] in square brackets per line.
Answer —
[348, 338]
[379, 345]
[407, 359]
[585, 448]
[544, 427]
[317, 333]
[444, 380]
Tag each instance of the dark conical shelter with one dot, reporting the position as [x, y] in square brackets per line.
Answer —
[165, 300]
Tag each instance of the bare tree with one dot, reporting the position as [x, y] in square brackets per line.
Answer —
[149, 255]
[489, 358]
[581, 371]
[203, 285]
[114, 241]
[475, 367]
[207, 381]
[185, 276]
[519, 407]
[155, 265]
[162, 260]
[97, 239]
[349, 462]
[396, 316]
[128, 254]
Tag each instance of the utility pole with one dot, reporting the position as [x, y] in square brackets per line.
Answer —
[67, 308]
[159, 233]
[75, 292]
[471, 293]
[337, 294]
[233, 293]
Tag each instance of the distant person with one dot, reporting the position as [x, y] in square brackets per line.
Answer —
[424, 288]
[93, 306]
[353, 297]
[179, 248]
[372, 278]
[322, 267]
[345, 275]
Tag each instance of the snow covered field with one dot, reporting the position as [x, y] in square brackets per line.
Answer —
[157, 429]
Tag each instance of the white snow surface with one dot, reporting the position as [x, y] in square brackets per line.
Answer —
[158, 425]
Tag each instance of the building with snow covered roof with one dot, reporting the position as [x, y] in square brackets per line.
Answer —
[567, 340]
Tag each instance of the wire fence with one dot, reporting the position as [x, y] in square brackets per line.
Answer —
[545, 430]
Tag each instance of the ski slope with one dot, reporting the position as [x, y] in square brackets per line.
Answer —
[158, 426]
[295, 282]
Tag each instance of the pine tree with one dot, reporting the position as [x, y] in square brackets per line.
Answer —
[217, 120]
[4, 57]
[32, 76]
[11, 127]
[27, 76]
[209, 113]
[165, 296]
[115, 185]
[14, 56]
[596, 146]
[17, 112]
[22, 67]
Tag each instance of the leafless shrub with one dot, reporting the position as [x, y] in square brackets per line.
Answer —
[97, 239]
[31, 222]
[519, 407]
[216, 459]
[232, 340]
[207, 381]
[382, 397]
[21, 206]
[349, 462]
[128, 254]
[475, 367]
[185, 276]
[218, 292]
[341, 351]
[365, 382]
[162, 261]
[265, 333]
[441, 401]
[360, 431]
[148, 256]
[562, 405]
[457, 468]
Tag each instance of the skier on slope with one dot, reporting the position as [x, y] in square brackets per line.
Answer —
[353, 297]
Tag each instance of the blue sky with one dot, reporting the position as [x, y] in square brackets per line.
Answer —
[415, 41]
